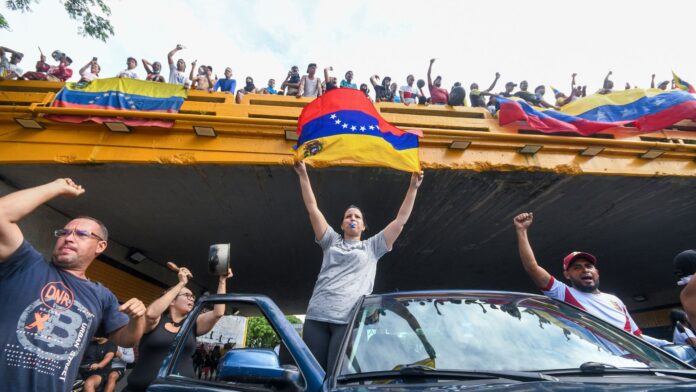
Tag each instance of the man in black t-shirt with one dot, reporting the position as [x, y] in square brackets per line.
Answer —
[526, 95]
[49, 308]
[535, 98]
[383, 91]
[509, 87]
[96, 363]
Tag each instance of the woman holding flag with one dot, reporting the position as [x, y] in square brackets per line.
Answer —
[348, 267]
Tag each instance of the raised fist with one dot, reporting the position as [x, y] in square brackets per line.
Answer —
[523, 220]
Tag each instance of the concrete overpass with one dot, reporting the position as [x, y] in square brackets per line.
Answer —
[169, 193]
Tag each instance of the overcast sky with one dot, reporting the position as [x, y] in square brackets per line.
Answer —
[541, 41]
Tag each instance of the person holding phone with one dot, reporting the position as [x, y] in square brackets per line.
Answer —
[177, 72]
[89, 72]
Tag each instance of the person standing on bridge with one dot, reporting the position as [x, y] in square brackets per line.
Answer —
[580, 269]
[348, 267]
[50, 310]
[164, 317]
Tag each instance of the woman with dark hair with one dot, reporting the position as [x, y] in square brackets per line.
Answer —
[348, 267]
[683, 334]
[163, 318]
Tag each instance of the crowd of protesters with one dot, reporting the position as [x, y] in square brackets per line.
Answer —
[153, 328]
[202, 77]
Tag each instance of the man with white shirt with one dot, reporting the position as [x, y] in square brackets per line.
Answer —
[8, 68]
[408, 93]
[580, 269]
[129, 72]
[177, 72]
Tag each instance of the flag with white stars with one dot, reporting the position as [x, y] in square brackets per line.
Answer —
[120, 94]
[344, 127]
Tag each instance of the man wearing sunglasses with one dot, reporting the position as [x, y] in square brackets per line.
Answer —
[50, 310]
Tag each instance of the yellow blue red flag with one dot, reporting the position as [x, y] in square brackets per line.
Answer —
[343, 125]
[120, 94]
[682, 84]
[648, 110]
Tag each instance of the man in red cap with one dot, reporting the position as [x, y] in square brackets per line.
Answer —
[580, 268]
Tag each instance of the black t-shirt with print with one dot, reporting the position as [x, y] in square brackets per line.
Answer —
[48, 319]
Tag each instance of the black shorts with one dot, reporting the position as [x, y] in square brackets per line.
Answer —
[86, 373]
[104, 373]
[121, 372]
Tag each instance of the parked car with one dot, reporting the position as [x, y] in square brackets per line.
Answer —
[444, 340]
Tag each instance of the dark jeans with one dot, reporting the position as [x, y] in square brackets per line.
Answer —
[324, 341]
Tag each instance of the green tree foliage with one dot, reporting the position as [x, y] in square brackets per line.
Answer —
[261, 334]
[93, 14]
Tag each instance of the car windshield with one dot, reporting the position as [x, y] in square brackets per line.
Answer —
[491, 331]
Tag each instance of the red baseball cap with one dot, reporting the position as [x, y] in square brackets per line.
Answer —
[578, 255]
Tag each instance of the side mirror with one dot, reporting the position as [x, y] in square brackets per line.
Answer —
[219, 259]
[258, 366]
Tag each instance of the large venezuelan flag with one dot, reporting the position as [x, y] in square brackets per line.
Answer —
[344, 125]
[648, 110]
[121, 94]
[547, 121]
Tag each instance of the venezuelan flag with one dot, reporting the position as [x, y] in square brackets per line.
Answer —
[648, 110]
[682, 84]
[343, 125]
[120, 94]
[547, 121]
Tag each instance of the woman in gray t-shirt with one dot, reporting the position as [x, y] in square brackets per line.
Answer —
[347, 270]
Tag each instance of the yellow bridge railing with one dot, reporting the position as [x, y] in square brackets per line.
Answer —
[261, 130]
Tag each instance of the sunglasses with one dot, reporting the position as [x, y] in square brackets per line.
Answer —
[81, 234]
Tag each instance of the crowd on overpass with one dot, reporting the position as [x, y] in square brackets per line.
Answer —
[202, 77]
[347, 269]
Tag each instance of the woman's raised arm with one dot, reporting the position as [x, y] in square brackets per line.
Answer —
[393, 229]
[316, 218]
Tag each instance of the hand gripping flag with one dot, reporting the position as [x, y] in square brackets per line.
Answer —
[120, 94]
[343, 125]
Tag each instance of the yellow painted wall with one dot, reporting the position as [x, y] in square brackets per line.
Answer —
[124, 285]
[653, 318]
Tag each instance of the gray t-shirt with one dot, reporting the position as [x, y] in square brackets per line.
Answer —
[347, 272]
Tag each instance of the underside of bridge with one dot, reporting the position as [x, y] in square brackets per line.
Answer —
[459, 236]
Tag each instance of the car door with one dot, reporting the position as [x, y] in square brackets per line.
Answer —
[252, 348]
